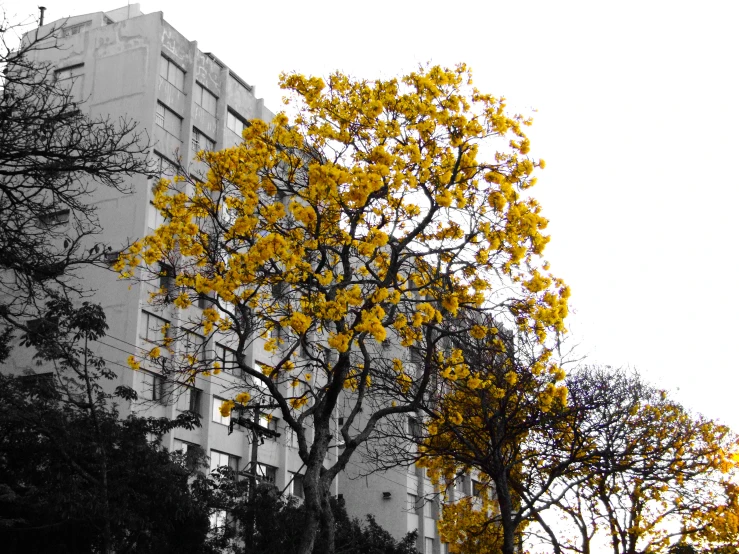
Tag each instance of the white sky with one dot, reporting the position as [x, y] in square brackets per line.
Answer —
[636, 116]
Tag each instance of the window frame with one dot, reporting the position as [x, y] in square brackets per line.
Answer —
[164, 117]
[479, 489]
[76, 29]
[157, 387]
[199, 93]
[232, 461]
[266, 473]
[154, 218]
[193, 400]
[148, 331]
[167, 279]
[230, 366]
[198, 137]
[162, 163]
[216, 416]
[232, 118]
[170, 69]
[269, 422]
[199, 345]
[295, 487]
[56, 218]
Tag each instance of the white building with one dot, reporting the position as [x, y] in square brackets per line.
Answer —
[124, 63]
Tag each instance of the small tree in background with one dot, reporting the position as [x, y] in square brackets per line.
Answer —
[654, 476]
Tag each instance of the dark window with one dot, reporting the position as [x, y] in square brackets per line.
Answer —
[227, 358]
[414, 427]
[478, 489]
[296, 486]
[266, 474]
[166, 279]
[153, 387]
[204, 301]
[52, 219]
[194, 400]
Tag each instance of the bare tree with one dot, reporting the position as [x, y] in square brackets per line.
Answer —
[52, 159]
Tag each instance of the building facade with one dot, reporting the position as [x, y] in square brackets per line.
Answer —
[124, 63]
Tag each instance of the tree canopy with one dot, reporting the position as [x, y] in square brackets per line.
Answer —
[343, 239]
[74, 476]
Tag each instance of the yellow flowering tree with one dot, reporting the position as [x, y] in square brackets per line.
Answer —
[345, 238]
[495, 423]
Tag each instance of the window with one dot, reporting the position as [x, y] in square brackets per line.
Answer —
[111, 256]
[218, 520]
[168, 120]
[75, 29]
[266, 369]
[414, 427]
[69, 72]
[153, 387]
[166, 278]
[412, 502]
[478, 489]
[295, 488]
[70, 80]
[428, 508]
[190, 452]
[183, 446]
[191, 400]
[154, 218]
[466, 485]
[428, 545]
[266, 474]
[227, 358]
[235, 123]
[222, 459]
[153, 328]
[52, 219]
[194, 346]
[163, 166]
[204, 301]
[201, 142]
[268, 422]
[205, 99]
[217, 417]
[171, 73]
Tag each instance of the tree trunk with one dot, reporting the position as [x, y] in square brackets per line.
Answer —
[328, 525]
[506, 513]
[313, 509]
[316, 493]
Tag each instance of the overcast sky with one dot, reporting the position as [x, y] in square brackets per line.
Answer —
[635, 113]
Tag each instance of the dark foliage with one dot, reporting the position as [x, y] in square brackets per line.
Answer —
[279, 521]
